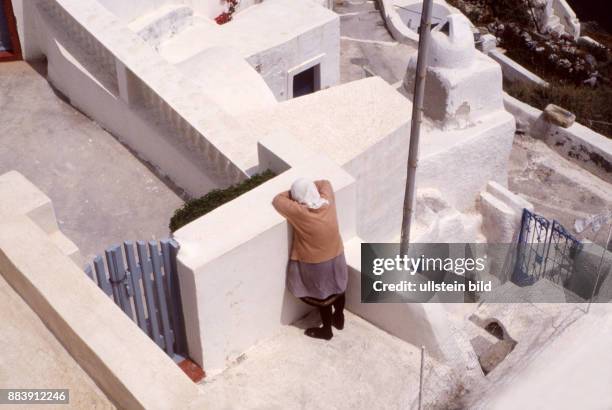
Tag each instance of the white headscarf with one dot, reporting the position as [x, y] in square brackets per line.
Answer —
[305, 192]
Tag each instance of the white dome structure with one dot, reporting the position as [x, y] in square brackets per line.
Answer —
[461, 84]
[452, 43]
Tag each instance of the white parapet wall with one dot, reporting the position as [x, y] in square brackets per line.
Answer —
[513, 71]
[232, 261]
[403, 17]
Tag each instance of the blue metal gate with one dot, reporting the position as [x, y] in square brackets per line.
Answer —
[143, 282]
[545, 249]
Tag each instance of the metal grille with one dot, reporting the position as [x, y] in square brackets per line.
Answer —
[545, 249]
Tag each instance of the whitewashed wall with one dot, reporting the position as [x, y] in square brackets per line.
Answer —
[319, 45]
[457, 163]
[233, 283]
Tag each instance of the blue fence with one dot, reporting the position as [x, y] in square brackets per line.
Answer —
[545, 250]
[142, 280]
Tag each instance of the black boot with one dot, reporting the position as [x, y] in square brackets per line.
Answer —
[325, 331]
[338, 317]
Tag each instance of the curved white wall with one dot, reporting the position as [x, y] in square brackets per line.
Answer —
[212, 8]
[411, 13]
[128, 10]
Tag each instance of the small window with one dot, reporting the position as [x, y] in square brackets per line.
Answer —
[306, 82]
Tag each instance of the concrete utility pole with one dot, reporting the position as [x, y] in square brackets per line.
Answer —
[415, 127]
[421, 378]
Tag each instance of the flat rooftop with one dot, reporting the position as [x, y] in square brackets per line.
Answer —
[256, 29]
[342, 121]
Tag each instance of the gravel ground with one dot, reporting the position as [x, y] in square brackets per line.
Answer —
[365, 42]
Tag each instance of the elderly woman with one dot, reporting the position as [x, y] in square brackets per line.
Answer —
[317, 271]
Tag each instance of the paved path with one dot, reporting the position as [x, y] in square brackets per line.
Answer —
[366, 42]
[102, 194]
[32, 358]
[362, 367]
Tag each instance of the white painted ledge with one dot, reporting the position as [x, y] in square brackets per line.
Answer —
[513, 71]
[399, 31]
[232, 262]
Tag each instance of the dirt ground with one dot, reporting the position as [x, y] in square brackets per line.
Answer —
[558, 189]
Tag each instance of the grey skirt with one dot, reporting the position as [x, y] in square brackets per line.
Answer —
[317, 280]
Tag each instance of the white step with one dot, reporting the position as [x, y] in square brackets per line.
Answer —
[162, 23]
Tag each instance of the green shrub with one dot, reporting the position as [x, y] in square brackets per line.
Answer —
[590, 105]
[195, 208]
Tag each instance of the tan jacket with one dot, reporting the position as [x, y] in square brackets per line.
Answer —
[316, 237]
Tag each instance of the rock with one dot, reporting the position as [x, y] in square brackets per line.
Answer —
[487, 43]
[588, 41]
[564, 62]
[559, 116]
[592, 81]
[525, 35]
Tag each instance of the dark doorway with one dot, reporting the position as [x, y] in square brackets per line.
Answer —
[307, 81]
[9, 40]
